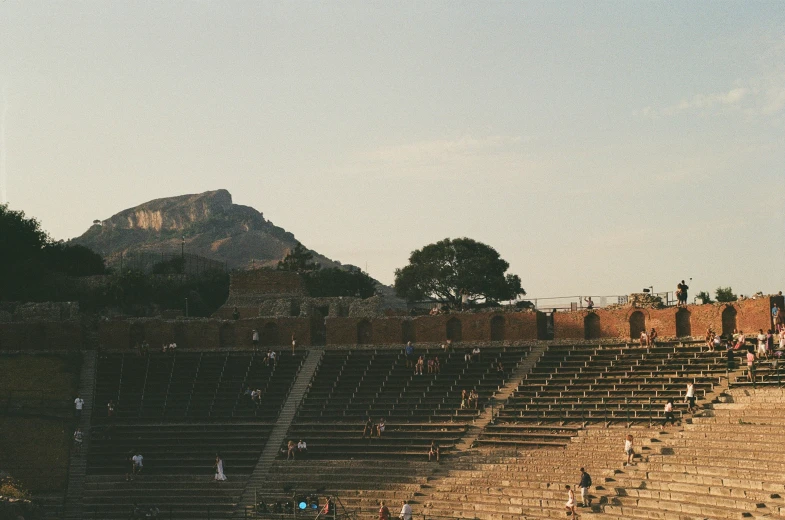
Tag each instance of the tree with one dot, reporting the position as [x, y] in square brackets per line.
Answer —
[725, 294]
[448, 268]
[340, 282]
[704, 296]
[298, 260]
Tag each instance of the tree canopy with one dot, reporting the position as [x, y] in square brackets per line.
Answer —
[725, 294]
[449, 268]
[30, 258]
[334, 281]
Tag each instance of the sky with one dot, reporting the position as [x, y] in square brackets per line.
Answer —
[600, 147]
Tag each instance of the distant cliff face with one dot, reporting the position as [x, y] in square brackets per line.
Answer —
[209, 223]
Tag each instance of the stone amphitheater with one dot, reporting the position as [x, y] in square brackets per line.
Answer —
[549, 410]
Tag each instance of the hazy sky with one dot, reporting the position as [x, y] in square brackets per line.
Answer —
[599, 146]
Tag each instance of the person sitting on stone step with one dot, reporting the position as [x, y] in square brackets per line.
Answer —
[433, 451]
[291, 449]
[380, 428]
[368, 429]
[302, 447]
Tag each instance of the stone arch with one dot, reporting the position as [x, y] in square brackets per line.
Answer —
[226, 336]
[728, 320]
[591, 326]
[637, 324]
[364, 332]
[407, 331]
[454, 332]
[270, 334]
[497, 328]
[683, 323]
[136, 334]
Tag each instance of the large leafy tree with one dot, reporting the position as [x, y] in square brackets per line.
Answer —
[447, 269]
[299, 260]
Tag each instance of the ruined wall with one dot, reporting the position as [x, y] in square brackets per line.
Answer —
[20, 336]
[670, 322]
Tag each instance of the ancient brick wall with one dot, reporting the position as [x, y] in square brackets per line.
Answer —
[260, 282]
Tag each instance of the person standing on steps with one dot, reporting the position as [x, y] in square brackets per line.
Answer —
[668, 414]
[78, 405]
[406, 511]
[384, 513]
[294, 343]
[219, 469]
[570, 505]
[628, 449]
[690, 396]
[255, 338]
[585, 484]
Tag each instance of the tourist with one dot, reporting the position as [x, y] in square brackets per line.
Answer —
[463, 399]
[137, 461]
[235, 314]
[172, 347]
[78, 405]
[731, 357]
[273, 358]
[380, 428]
[585, 484]
[219, 469]
[628, 449]
[741, 340]
[775, 315]
[255, 338]
[384, 513]
[769, 342]
[368, 429]
[467, 355]
[78, 438]
[474, 398]
[500, 367]
[130, 460]
[294, 343]
[681, 293]
[709, 338]
[716, 341]
[653, 337]
[761, 352]
[409, 352]
[751, 366]
[644, 340]
[266, 359]
[437, 367]
[476, 354]
[110, 409]
[164, 347]
[668, 409]
[302, 448]
[690, 396]
[419, 366]
[433, 451]
[570, 505]
[782, 339]
[291, 449]
[406, 511]
[589, 303]
[145, 347]
[430, 365]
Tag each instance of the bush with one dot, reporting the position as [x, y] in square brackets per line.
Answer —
[725, 294]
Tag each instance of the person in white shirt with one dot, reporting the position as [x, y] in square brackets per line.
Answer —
[406, 511]
[78, 438]
[78, 405]
[255, 338]
[690, 396]
[302, 448]
[762, 351]
[137, 461]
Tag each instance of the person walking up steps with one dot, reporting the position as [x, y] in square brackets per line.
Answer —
[628, 449]
[570, 505]
[668, 414]
[585, 484]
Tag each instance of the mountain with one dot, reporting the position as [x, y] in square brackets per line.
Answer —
[206, 224]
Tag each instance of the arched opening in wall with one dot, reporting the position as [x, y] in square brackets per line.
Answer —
[407, 331]
[497, 328]
[683, 325]
[591, 326]
[294, 308]
[364, 332]
[136, 334]
[728, 320]
[270, 334]
[454, 332]
[319, 325]
[637, 324]
[226, 336]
